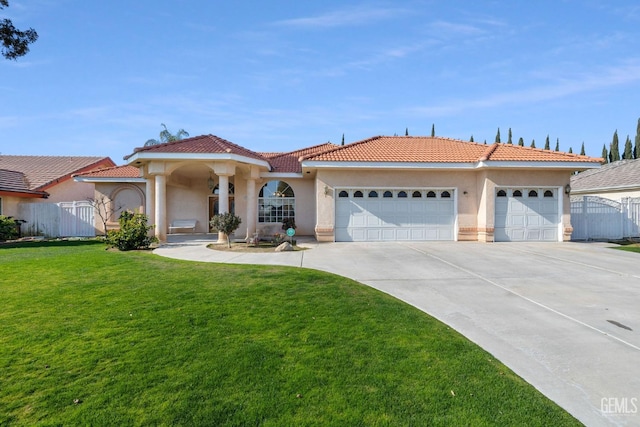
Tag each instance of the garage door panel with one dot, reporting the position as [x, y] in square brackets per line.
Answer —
[396, 218]
[530, 217]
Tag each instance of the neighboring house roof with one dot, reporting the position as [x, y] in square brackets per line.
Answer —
[33, 175]
[204, 144]
[409, 149]
[620, 175]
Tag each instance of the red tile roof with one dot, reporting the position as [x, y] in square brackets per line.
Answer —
[405, 149]
[290, 162]
[125, 171]
[42, 172]
[203, 144]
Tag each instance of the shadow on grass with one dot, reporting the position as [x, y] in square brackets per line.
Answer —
[50, 243]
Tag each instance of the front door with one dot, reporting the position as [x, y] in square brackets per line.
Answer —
[214, 207]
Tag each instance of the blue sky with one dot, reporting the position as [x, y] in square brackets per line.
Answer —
[282, 75]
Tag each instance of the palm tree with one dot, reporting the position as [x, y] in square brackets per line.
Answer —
[166, 136]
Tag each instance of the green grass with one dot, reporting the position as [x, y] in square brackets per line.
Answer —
[628, 247]
[142, 340]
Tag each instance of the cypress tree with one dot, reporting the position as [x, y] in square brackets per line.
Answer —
[509, 140]
[636, 154]
[582, 152]
[605, 154]
[433, 129]
[570, 150]
[342, 139]
[471, 139]
[557, 144]
[406, 132]
[628, 149]
[533, 143]
[614, 151]
[521, 142]
[546, 144]
[498, 135]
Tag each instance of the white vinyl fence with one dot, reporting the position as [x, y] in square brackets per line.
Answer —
[64, 219]
[597, 218]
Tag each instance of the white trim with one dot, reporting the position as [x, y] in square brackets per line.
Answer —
[538, 165]
[606, 189]
[113, 179]
[285, 175]
[197, 156]
[451, 165]
[387, 165]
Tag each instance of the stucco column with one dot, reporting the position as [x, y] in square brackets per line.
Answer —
[223, 202]
[150, 199]
[161, 207]
[252, 207]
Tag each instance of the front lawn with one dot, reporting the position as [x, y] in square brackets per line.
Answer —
[95, 337]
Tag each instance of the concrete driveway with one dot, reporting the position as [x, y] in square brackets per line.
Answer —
[563, 316]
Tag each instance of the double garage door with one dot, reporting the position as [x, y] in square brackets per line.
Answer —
[525, 214]
[368, 215]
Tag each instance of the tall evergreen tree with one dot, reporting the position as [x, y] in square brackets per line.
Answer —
[614, 150]
[510, 140]
[433, 129]
[342, 139]
[557, 144]
[605, 154]
[406, 132]
[533, 143]
[628, 149]
[471, 139]
[582, 152]
[498, 135]
[521, 142]
[636, 153]
[570, 150]
[547, 146]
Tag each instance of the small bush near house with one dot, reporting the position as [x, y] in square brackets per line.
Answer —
[226, 223]
[133, 232]
[288, 223]
[7, 228]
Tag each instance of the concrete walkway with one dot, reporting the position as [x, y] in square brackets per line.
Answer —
[563, 316]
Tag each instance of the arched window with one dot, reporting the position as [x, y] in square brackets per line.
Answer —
[276, 202]
[343, 194]
[357, 194]
[387, 194]
[533, 193]
[502, 193]
[216, 189]
[431, 194]
[416, 194]
[548, 193]
[445, 194]
[402, 194]
[517, 193]
[373, 194]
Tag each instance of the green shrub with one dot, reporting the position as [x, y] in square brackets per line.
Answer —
[288, 223]
[133, 232]
[7, 228]
[226, 223]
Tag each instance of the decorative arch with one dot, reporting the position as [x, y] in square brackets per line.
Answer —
[276, 202]
[126, 197]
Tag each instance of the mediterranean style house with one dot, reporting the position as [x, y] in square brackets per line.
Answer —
[384, 188]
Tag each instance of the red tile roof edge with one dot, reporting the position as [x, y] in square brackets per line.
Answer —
[111, 168]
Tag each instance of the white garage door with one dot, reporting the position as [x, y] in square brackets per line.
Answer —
[525, 215]
[371, 215]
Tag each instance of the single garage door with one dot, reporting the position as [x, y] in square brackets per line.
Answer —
[371, 215]
[526, 215]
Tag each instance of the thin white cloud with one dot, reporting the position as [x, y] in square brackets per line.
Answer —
[627, 73]
[342, 17]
